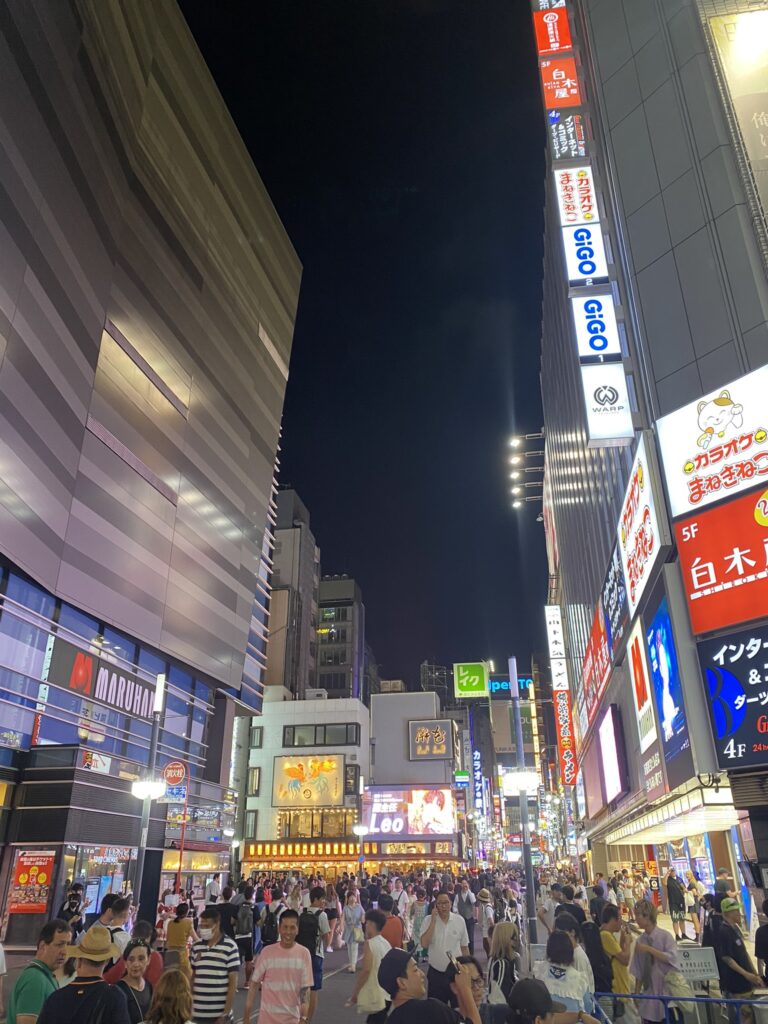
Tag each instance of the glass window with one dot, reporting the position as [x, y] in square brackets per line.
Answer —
[335, 734]
[288, 736]
[251, 819]
[304, 736]
[78, 622]
[254, 781]
[257, 736]
[353, 733]
[119, 645]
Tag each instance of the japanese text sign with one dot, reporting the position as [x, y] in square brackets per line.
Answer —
[556, 641]
[31, 885]
[567, 134]
[575, 190]
[470, 679]
[553, 34]
[560, 83]
[724, 562]
[596, 667]
[735, 669]
[615, 607]
[430, 740]
[566, 741]
[718, 446]
[641, 542]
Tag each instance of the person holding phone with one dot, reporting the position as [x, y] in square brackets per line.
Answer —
[406, 986]
[443, 935]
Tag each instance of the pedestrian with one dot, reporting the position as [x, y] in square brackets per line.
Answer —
[530, 1002]
[464, 906]
[694, 890]
[596, 905]
[215, 967]
[179, 935]
[353, 929]
[405, 985]
[738, 977]
[36, 982]
[487, 918]
[134, 986]
[73, 908]
[141, 930]
[571, 927]
[563, 979]
[548, 906]
[333, 913]
[244, 930]
[213, 889]
[283, 976]
[761, 944]
[88, 999]
[724, 884]
[502, 962]
[443, 933]
[227, 912]
[676, 903]
[369, 997]
[394, 930]
[400, 900]
[171, 1000]
[313, 929]
[616, 940]
[568, 906]
[655, 954]
[418, 912]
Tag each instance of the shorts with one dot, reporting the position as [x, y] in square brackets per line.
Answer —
[245, 945]
[332, 915]
[317, 972]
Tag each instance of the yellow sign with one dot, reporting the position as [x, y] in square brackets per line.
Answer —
[308, 781]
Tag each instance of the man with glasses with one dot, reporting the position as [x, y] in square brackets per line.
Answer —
[443, 932]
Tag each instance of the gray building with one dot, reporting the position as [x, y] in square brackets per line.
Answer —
[341, 637]
[147, 298]
[670, 93]
[292, 653]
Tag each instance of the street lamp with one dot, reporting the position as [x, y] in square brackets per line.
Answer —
[360, 831]
[149, 788]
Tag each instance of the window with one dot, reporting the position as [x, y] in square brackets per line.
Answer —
[336, 735]
[251, 819]
[254, 781]
[304, 736]
[256, 740]
[334, 657]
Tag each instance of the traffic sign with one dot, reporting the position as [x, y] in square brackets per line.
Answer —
[698, 963]
[174, 773]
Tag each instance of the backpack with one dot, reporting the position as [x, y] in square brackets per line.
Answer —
[244, 924]
[602, 969]
[269, 930]
[497, 975]
[309, 930]
[500, 909]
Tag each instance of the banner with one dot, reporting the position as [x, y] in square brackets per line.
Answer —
[566, 743]
[32, 876]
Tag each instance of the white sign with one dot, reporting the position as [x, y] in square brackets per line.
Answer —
[698, 963]
[606, 398]
[597, 334]
[641, 686]
[640, 538]
[584, 253]
[556, 642]
[575, 189]
[718, 446]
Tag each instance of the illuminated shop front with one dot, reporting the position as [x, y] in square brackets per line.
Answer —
[197, 869]
[332, 859]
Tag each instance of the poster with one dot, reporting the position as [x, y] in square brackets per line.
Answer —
[409, 812]
[32, 875]
[308, 781]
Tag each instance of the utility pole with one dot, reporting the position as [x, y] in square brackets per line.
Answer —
[530, 892]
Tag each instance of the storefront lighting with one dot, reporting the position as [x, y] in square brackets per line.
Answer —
[228, 832]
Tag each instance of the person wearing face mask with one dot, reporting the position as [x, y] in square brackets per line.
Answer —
[215, 967]
[134, 986]
[73, 909]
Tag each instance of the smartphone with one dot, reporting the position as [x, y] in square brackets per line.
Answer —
[454, 962]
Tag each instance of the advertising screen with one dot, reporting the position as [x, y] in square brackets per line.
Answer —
[668, 692]
[596, 668]
[593, 786]
[308, 781]
[612, 756]
[641, 542]
[735, 670]
[717, 446]
[615, 606]
[409, 812]
[724, 562]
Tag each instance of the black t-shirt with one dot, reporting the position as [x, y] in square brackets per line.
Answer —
[731, 944]
[596, 905]
[761, 942]
[137, 1002]
[78, 1002]
[424, 1011]
[228, 915]
[722, 885]
[573, 909]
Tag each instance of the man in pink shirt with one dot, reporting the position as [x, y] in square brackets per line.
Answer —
[283, 975]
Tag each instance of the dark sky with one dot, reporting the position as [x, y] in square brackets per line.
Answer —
[402, 144]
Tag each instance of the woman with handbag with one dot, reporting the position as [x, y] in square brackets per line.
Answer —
[501, 965]
[353, 929]
[694, 890]
[369, 997]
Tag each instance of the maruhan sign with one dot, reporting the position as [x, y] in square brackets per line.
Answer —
[90, 677]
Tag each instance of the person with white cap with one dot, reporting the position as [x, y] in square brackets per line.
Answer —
[88, 998]
[487, 918]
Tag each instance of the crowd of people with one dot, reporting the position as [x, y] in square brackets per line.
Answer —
[454, 943]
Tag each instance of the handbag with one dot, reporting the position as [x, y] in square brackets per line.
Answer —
[495, 992]
[357, 934]
[675, 984]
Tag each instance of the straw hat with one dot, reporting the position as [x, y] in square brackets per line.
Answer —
[484, 896]
[96, 945]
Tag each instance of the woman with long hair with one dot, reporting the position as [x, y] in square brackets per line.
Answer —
[353, 929]
[333, 913]
[694, 890]
[171, 1000]
[563, 980]
[179, 935]
[501, 963]
[676, 903]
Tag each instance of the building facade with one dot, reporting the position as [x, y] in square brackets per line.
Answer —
[341, 638]
[655, 306]
[148, 293]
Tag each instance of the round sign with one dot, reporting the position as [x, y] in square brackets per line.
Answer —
[174, 773]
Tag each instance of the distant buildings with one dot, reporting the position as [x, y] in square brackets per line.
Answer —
[341, 638]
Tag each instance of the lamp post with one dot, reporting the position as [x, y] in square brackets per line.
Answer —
[149, 788]
[360, 831]
[530, 894]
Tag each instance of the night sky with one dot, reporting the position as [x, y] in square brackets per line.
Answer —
[402, 143]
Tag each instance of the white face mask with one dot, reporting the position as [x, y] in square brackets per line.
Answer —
[206, 933]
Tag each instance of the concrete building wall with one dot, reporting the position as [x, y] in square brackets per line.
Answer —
[390, 764]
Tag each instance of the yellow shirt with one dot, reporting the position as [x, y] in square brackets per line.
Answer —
[622, 984]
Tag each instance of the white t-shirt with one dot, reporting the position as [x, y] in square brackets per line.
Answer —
[487, 918]
[447, 938]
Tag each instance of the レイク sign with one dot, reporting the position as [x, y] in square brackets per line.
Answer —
[470, 679]
[724, 562]
[641, 541]
[718, 446]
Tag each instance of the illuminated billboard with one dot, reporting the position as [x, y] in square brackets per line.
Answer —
[553, 33]
[597, 333]
[567, 134]
[308, 781]
[584, 253]
[408, 812]
[642, 534]
[606, 400]
[430, 740]
[575, 191]
[560, 83]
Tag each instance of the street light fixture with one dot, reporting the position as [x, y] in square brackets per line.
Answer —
[515, 490]
[515, 442]
[516, 460]
[515, 474]
[150, 787]
[517, 503]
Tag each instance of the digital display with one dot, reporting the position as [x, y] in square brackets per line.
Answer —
[409, 812]
[612, 761]
[668, 692]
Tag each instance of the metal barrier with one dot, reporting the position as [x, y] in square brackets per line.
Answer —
[736, 1011]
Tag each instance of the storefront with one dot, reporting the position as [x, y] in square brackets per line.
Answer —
[197, 869]
[332, 859]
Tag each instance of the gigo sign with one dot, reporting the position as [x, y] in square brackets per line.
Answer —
[584, 253]
[718, 446]
[597, 334]
[606, 399]
[576, 200]
[640, 536]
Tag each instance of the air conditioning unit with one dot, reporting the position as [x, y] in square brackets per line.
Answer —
[316, 695]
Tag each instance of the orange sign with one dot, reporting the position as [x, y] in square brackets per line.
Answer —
[553, 34]
[174, 773]
[560, 82]
[566, 742]
[32, 875]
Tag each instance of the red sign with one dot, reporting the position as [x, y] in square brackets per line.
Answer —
[560, 83]
[32, 876]
[174, 773]
[724, 562]
[596, 667]
[566, 741]
[553, 33]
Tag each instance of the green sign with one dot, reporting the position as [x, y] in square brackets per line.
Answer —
[470, 679]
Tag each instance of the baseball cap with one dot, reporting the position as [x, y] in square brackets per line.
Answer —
[531, 997]
[393, 966]
[729, 904]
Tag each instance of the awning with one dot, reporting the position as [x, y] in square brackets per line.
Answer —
[700, 810]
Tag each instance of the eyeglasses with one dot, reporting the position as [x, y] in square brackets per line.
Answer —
[477, 981]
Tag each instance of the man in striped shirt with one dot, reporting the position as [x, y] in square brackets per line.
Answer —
[215, 965]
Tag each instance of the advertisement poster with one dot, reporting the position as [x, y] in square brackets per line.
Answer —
[566, 741]
[736, 678]
[575, 190]
[430, 740]
[717, 446]
[32, 876]
[724, 562]
[567, 134]
[652, 767]
[409, 812]
[640, 539]
[308, 781]
[615, 606]
[668, 692]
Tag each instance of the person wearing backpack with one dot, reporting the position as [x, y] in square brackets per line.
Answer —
[501, 964]
[487, 917]
[313, 929]
[244, 931]
[270, 918]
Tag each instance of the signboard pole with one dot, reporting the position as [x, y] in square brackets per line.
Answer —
[182, 836]
[530, 894]
[159, 704]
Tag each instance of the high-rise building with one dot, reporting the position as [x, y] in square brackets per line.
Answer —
[292, 653]
[655, 306]
[148, 293]
[341, 637]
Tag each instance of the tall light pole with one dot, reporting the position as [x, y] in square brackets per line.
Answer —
[361, 831]
[530, 893]
[149, 788]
